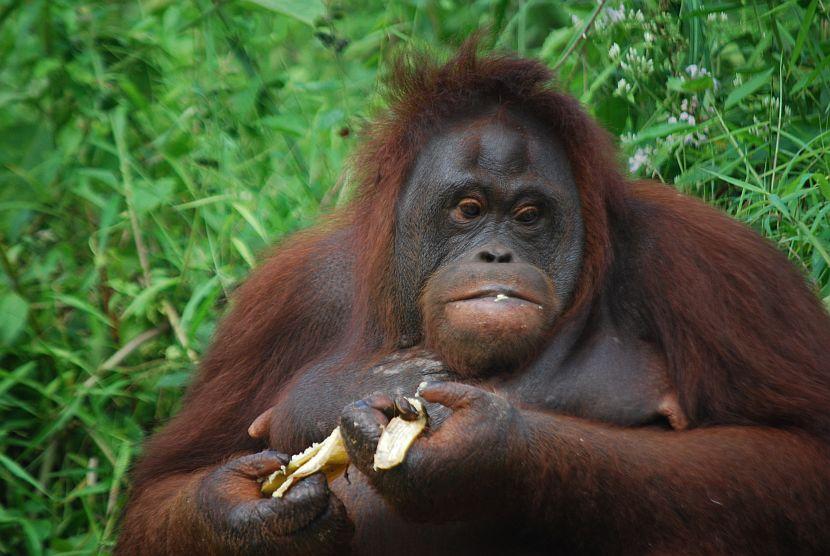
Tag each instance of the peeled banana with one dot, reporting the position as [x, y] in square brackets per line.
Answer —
[397, 437]
[330, 456]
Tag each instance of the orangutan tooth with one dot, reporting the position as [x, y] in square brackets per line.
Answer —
[500, 297]
[397, 437]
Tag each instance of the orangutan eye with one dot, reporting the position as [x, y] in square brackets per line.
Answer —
[527, 215]
[467, 209]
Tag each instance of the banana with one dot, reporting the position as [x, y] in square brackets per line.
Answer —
[397, 437]
[330, 456]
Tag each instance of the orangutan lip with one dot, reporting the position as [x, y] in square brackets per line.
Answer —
[494, 291]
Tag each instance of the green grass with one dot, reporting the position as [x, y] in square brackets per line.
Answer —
[151, 151]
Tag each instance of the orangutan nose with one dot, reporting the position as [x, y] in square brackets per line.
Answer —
[494, 253]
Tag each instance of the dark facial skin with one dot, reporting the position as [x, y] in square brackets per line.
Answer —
[489, 239]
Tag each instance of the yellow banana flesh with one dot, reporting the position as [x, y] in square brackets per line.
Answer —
[397, 437]
[330, 456]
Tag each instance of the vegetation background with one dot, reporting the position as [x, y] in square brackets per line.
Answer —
[152, 150]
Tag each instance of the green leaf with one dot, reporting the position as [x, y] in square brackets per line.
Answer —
[736, 182]
[27, 526]
[661, 130]
[21, 473]
[823, 183]
[150, 195]
[802, 33]
[612, 112]
[806, 80]
[252, 220]
[14, 311]
[243, 250]
[306, 11]
[776, 202]
[690, 85]
[208, 290]
[291, 124]
[140, 303]
[739, 93]
[83, 306]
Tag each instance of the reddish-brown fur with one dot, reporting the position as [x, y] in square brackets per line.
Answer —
[745, 341]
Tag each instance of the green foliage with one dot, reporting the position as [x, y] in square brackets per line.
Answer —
[151, 150]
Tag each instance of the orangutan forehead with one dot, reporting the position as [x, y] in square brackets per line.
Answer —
[500, 141]
[496, 143]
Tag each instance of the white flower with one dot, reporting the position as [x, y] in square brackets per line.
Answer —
[637, 63]
[46, 235]
[692, 70]
[614, 51]
[626, 137]
[692, 120]
[623, 87]
[638, 160]
[672, 119]
[615, 15]
[684, 116]
[648, 37]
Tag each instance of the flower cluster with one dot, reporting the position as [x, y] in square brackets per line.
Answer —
[685, 116]
[695, 71]
[652, 72]
[688, 110]
[641, 159]
[637, 63]
[623, 88]
[611, 16]
[774, 103]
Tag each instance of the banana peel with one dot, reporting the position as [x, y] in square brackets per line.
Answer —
[331, 458]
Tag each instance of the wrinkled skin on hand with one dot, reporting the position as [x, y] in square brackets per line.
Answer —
[397, 374]
[466, 454]
[309, 519]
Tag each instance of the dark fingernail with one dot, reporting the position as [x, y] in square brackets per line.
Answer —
[405, 409]
[383, 403]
